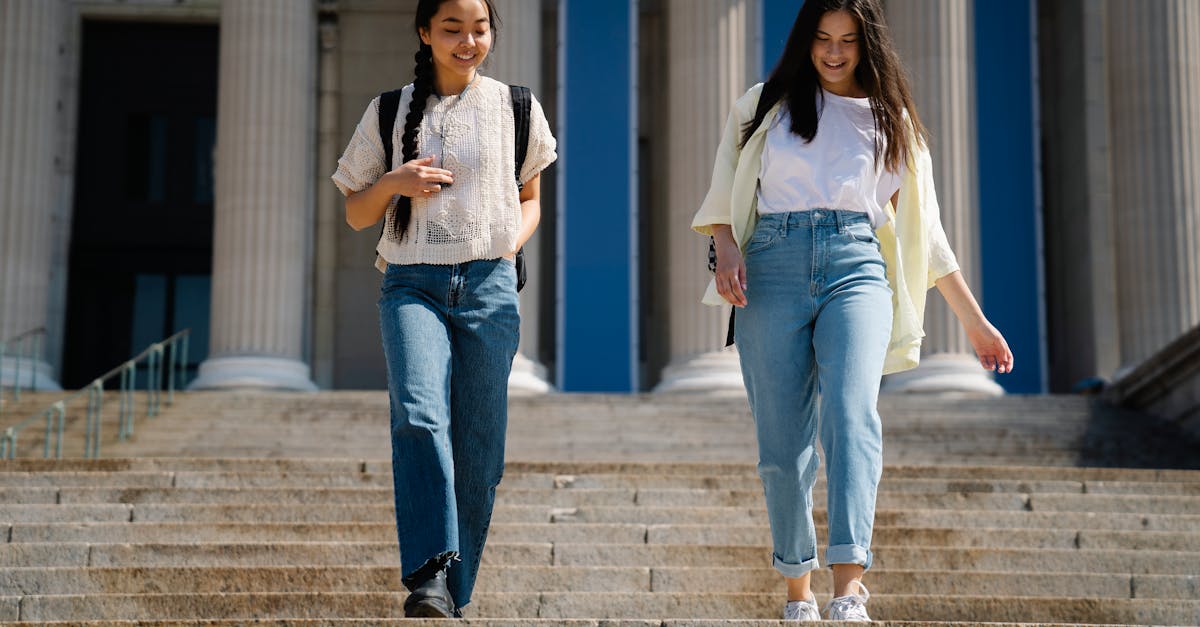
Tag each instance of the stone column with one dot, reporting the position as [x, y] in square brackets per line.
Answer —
[263, 195]
[935, 39]
[516, 59]
[1154, 97]
[721, 62]
[30, 37]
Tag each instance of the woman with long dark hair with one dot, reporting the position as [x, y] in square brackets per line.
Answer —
[455, 212]
[827, 236]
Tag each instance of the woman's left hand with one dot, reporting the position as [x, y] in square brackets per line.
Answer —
[990, 347]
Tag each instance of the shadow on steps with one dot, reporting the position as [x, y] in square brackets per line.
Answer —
[1123, 438]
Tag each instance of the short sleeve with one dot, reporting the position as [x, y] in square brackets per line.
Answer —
[362, 163]
[541, 151]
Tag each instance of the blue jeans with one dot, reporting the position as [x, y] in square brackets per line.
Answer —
[812, 340]
[449, 336]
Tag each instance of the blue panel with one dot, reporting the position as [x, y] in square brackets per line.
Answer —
[149, 311]
[597, 213]
[778, 18]
[1010, 202]
[193, 297]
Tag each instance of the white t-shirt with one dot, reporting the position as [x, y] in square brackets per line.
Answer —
[836, 170]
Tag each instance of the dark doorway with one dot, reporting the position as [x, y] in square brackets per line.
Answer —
[141, 232]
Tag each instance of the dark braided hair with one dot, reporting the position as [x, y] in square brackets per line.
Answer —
[422, 90]
[880, 73]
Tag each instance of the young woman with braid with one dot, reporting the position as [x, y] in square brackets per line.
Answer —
[453, 219]
[827, 236]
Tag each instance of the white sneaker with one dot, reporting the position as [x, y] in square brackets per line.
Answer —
[851, 607]
[801, 611]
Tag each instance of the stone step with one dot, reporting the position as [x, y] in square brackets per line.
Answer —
[513, 468]
[576, 497]
[595, 533]
[385, 514]
[532, 480]
[567, 554]
[366, 605]
[527, 579]
[531, 622]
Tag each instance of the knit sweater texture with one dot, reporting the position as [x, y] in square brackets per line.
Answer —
[471, 134]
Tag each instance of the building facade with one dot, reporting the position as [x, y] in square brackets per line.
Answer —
[164, 165]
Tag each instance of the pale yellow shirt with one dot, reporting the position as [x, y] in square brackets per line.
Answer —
[912, 242]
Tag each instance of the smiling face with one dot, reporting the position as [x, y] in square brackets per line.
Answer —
[460, 35]
[835, 53]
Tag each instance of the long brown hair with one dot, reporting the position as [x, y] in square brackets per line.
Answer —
[879, 72]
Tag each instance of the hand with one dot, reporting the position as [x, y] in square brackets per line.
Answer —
[418, 179]
[731, 271]
[990, 347]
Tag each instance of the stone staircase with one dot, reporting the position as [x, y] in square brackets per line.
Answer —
[617, 511]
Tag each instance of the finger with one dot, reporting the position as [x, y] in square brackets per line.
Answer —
[737, 291]
[436, 174]
[423, 160]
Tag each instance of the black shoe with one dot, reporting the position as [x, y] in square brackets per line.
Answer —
[430, 599]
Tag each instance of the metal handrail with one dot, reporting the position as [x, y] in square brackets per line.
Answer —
[32, 341]
[176, 346]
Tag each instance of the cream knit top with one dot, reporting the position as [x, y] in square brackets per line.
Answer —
[471, 134]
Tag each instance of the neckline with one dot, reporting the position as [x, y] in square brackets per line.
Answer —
[862, 102]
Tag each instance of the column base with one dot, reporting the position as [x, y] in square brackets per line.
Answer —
[714, 372]
[36, 375]
[253, 372]
[943, 373]
[528, 377]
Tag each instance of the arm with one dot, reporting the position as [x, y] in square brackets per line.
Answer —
[989, 345]
[531, 209]
[731, 268]
[415, 179]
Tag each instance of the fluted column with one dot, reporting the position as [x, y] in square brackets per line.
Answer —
[30, 37]
[1154, 95]
[263, 193]
[516, 59]
[936, 42]
[711, 62]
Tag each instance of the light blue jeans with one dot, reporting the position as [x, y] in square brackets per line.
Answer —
[449, 336]
[812, 340]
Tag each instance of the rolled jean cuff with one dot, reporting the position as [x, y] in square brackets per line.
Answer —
[792, 571]
[849, 554]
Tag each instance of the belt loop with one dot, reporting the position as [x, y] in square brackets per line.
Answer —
[786, 219]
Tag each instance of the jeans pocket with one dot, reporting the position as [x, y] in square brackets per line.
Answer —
[761, 240]
[862, 233]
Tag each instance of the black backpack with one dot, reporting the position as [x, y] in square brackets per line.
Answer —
[522, 99]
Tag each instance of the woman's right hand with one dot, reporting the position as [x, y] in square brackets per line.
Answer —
[731, 268]
[418, 178]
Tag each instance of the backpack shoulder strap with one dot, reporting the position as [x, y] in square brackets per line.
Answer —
[522, 103]
[389, 105]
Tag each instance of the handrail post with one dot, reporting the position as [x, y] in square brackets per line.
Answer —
[49, 424]
[173, 344]
[154, 379]
[8, 445]
[125, 411]
[183, 365]
[61, 408]
[17, 376]
[2, 353]
[95, 399]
